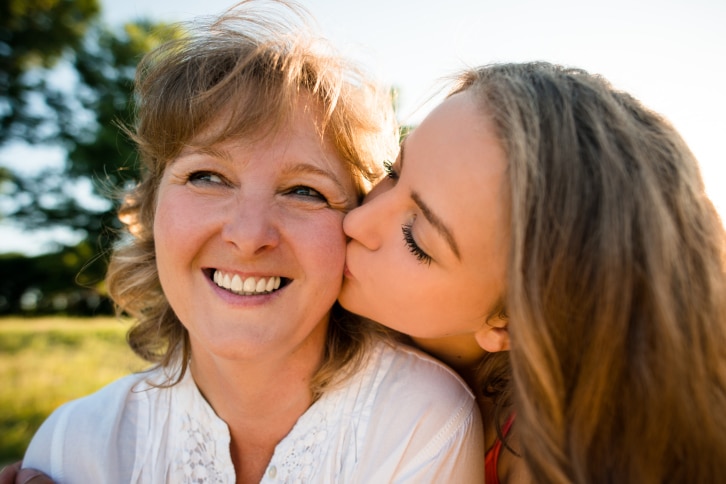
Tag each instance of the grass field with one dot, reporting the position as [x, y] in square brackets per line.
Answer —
[45, 362]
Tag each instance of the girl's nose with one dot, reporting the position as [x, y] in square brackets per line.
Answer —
[364, 223]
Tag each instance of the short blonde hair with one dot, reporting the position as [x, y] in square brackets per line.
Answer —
[248, 68]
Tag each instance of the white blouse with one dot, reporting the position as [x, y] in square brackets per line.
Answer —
[403, 417]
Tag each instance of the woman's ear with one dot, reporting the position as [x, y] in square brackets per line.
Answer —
[493, 336]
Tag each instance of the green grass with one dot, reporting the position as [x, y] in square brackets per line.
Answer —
[45, 362]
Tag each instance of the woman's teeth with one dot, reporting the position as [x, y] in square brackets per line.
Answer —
[248, 286]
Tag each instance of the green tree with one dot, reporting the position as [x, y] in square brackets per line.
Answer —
[73, 98]
[35, 34]
[100, 159]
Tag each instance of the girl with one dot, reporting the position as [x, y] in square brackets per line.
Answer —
[539, 210]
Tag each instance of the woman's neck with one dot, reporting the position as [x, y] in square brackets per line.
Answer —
[259, 401]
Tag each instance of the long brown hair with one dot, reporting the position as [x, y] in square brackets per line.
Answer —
[616, 292]
[242, 73]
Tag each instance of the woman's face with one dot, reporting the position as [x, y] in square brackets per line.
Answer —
[428, 248]
[249, 241]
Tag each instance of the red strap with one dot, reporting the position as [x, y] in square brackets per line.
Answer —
[491, 459]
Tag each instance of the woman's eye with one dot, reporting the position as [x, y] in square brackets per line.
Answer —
[307, 192]
[199, 177]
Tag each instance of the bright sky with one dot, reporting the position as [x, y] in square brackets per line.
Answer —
[670, 54]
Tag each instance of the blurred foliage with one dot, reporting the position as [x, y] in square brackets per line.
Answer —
[35, 34]
[45, 362]
[67, 282]
[66, 80]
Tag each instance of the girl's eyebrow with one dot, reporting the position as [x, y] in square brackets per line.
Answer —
[437, 223]
[433, 219]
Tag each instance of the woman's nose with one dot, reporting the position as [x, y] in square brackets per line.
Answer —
[252, 227]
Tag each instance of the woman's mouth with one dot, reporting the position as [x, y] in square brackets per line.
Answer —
[248, 286]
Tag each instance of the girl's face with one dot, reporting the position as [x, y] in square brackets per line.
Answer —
[249, 241]
[428, 248]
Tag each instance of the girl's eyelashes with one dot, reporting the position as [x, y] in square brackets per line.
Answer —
[389, 170]
[413, 247]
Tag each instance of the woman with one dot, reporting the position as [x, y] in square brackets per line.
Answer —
[539, 210]
[255, 143]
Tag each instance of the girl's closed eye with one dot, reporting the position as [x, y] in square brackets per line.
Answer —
[413, 247]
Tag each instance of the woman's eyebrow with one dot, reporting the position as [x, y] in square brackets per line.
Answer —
[437, 223]
[310, 169]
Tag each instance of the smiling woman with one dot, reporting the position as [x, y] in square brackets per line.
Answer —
[256, 142]
[283, 194]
